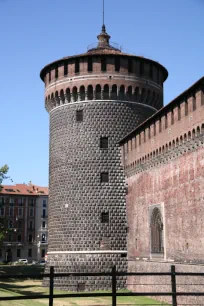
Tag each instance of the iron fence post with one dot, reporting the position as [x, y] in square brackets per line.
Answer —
[173, 286]
[51, 286]
[114, 286]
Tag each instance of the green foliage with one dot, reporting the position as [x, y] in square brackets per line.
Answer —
[3, 175]
[3, 172]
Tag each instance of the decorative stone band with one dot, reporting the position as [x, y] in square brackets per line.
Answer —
[102, 101]
[87, 252]
[100, 77]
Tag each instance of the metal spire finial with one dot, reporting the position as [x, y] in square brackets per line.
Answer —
[103, 12]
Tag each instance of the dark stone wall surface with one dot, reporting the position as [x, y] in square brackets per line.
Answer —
[76, 195]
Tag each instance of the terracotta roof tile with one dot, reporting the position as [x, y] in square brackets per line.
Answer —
[23, 189]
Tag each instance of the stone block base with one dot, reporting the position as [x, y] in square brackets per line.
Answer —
[84, 263]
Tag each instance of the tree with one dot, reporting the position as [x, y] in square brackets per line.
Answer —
[3, 176]
[3, 173]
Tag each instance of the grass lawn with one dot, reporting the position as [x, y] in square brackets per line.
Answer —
[30, 287]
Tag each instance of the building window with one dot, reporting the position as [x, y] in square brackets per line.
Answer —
[20, 201]
[104, 177]
[43, 224]
[1, 201]
[65, 69]
[29, 252]
[79, 115]
[56, 73]
[30, 238]
[20, 212]
[49, 76]
[90, 64]
[117, 63]
[18, 253]
[11, 201]
[31, 212]
[31, 225]
[77, 65]
[10, 224]
[44, 213]
[105, 217]
[2, 211]
[1, 253]
[43, 238]
[104, 143]
[19, 238]
[43, 253]
[31, 202]
[130, 65]
[20, 224]
[156, 232]
[44, 203]
[103, 64]
[10, 238]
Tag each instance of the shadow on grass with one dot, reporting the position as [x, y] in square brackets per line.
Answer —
[18, 289]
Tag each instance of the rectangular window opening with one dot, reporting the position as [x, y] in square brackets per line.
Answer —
[77, 66]
[29, 252]
[18, 253]
[104, 177]
[105, 217]
[103, 64]
[117, 63]
[130, 65]
[104, 143]
[79, 115]
[65, 69]
[81, 287]
[56, 73]
[90, 64]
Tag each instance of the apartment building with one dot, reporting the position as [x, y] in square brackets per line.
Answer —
[23, 212]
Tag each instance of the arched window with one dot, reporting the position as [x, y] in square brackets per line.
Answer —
[156, 232]
[74, 94]
[198, 131]
[114, 92]
[82, 93]
[106, 92]
[98, 92]
[143, 96]
[193, 133]
[57, 98]
[122, 92]
[153, 98]
[129, 93]
[136, 94]
[62, 98]
[202, 128]
[90, 92]
[68, 95]
[189, 135]
[148, 97]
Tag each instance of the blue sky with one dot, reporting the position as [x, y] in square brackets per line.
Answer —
[34, 33]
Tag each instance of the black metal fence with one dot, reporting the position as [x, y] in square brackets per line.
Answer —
[113, 294]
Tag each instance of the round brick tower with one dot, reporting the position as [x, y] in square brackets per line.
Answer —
[94, 99]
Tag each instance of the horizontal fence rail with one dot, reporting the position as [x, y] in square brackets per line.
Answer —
[113, 294]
